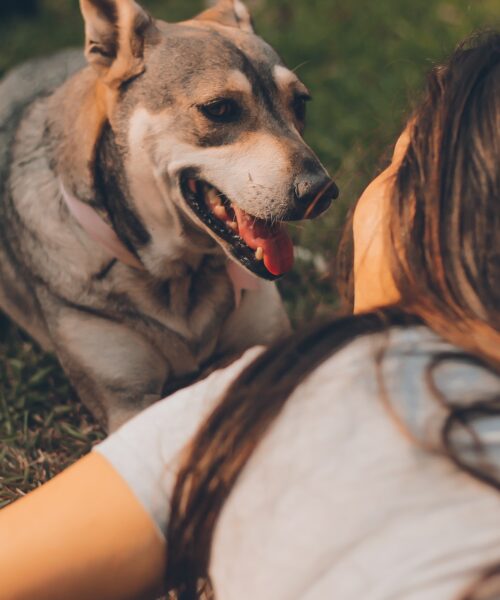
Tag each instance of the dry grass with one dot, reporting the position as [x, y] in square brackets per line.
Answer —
[43, 428]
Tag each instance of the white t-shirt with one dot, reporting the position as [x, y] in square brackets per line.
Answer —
[337, 502]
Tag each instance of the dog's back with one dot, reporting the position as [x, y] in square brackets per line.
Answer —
[22, 86]
[18, 90]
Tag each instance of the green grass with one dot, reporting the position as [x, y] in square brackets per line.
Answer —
[43, 428]
[364, 62]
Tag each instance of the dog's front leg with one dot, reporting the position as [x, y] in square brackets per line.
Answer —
[259, 320]
[116, 371]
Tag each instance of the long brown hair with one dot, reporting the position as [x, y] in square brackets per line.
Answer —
[444, 227]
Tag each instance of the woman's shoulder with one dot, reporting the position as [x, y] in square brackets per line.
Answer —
[363, 362]
[410, 373]
[406, 358]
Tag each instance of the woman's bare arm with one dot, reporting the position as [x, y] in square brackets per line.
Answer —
[83, 535]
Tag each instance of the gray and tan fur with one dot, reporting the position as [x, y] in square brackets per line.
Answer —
[117, 132]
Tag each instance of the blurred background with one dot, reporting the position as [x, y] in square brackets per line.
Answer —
[364, 62]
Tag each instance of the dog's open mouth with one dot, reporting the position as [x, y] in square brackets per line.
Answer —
[263, 247]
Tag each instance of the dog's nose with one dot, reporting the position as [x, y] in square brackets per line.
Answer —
[314, 193]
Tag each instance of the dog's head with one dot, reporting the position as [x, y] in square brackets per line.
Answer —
[210, 122]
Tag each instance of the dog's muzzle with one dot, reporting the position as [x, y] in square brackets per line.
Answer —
[312, 196]
[262, 246]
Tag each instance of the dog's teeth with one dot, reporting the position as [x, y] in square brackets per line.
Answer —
[220, 211]
[213, 198]
[192, 186]
[259, 253]
[233, 225]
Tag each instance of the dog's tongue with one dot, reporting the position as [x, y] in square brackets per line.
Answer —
[273, 239]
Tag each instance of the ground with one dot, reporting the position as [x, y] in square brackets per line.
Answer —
[364, 62]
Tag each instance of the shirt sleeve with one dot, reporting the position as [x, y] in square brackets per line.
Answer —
[146, 451]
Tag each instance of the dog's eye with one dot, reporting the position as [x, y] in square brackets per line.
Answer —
[299, 106]
[221, 111]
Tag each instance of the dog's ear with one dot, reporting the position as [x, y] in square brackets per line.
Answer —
[232, 13]
[115, 32]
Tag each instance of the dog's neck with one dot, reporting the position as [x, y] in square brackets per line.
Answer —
[99, 230]
[149, 226]
[112, 197]
[102, 233]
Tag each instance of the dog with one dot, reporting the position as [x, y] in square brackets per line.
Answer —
[143, 193]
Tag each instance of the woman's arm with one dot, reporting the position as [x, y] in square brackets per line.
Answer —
[83, 535]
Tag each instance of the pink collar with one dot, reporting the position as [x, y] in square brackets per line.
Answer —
[99, 231]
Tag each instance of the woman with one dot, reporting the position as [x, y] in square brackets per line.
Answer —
[357, 459]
